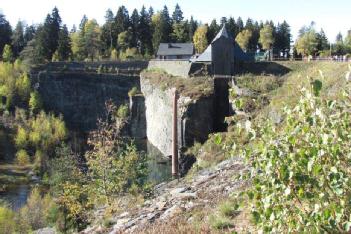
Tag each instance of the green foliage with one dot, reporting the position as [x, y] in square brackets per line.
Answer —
[243, 39]
[200, 39]
[130, 54]
[220, 222]
[35, 102]
[7, 54]
[38, 212]
[123, 112]
[133, 92]
[22, 158]
[300, 171]
[7, 220]
[114, 166]
[266, 37]
[114, 55]
[21, 139]
[307, 43]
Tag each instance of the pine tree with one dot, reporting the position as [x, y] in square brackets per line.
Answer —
[29, 33]
[232, 27]
[64, 44]
[92, 42]
[5, 32]
[122, 20]
[224, 21]
[167, 25]
[108, 32]
[240, 24]
[192, 28]
[180, 32]
[18, 41]
[323, 43]
[212, 31]
[282, 37]
[134, 22]
[54, 30]
[177, 15]
[145, 33]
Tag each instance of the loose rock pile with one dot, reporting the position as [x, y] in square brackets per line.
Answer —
[179, 196]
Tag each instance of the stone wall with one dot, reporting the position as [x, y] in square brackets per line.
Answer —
[81, 97]
[173, 67]
[195, 117]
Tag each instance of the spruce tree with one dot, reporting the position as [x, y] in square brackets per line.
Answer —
[108, 32]
[213, 29]
[134, 22]
[5, 32]
[166, 25]
[122, 20]
[232, 27]
[18, 41]
[177, 15]
[240, 24]
[29, 33]
[145, 33]
[192, 26]
[64, 44]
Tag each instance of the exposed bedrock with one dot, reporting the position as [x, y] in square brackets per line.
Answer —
[195, 117]
[81, 97]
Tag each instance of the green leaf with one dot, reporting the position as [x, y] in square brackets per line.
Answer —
[317, 87]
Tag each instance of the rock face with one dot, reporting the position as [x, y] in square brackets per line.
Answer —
[137, 122]
[195, 117]
[180, 198]
[81, 97]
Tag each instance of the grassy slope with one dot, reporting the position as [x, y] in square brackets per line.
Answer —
[280, 91]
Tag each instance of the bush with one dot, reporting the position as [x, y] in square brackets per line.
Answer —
[123, 111]
[35, 102]
[300, 171]
[133, 92]
[21, 138]
[7, 220]
[22, 158]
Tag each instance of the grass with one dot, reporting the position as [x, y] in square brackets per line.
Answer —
[194, 88]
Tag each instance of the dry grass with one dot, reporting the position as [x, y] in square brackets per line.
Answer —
[194, 88]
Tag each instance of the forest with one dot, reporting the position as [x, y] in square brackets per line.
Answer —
[137, 36]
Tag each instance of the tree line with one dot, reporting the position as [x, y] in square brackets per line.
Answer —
[313, 43]
[138, 35]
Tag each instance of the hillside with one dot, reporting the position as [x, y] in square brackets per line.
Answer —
[203, 201]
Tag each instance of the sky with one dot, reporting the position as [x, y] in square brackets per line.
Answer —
[333, 16]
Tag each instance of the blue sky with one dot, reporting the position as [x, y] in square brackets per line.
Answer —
[333, 16]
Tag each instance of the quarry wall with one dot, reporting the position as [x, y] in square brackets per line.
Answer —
[195, 117]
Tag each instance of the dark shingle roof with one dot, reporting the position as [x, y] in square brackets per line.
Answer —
[175, 49]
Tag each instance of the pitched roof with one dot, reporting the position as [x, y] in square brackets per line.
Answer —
[176, 49]
[206, 55]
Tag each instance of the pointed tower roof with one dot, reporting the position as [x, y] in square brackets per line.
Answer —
[222, 33]
[206, 55]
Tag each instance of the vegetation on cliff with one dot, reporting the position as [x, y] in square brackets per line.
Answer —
[194, 88]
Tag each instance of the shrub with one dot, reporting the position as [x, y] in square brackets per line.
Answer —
[7, 220]
[133, 92]
[22, 158]
[123, 111]
[21, 138]
[35, 102]
[219, 222]
[300, 171]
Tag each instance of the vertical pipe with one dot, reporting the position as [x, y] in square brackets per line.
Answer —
[175, 136]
